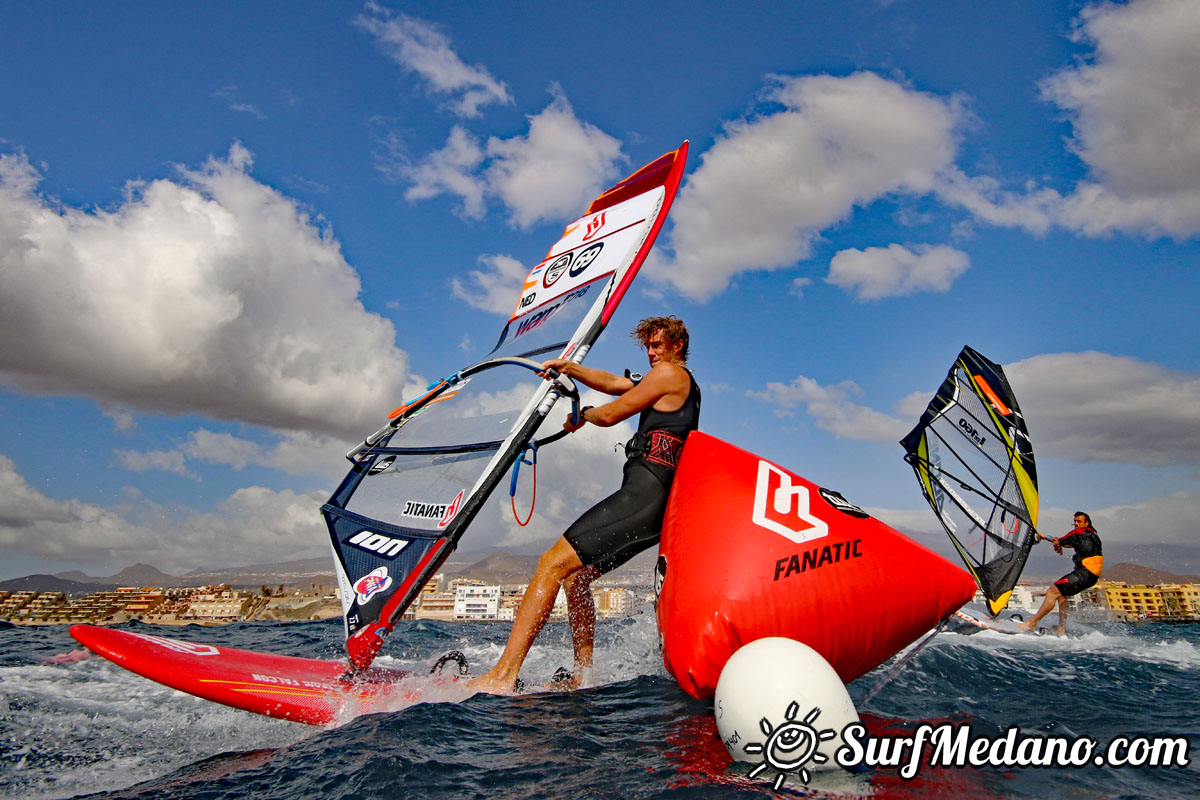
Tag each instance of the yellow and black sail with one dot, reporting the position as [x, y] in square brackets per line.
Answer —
[973, 458]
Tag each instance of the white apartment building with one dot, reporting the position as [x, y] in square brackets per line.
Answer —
[476, 601]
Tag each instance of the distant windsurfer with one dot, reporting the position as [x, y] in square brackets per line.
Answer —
[628, 521]
[1089, 563]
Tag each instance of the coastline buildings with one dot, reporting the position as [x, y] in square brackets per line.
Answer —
[466, 600]
[220, 604]
[1119, 601]
[613, 601]
[42, 608]
[1164, 601]
[202, 604]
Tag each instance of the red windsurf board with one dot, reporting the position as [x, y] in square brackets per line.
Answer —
[304, 690]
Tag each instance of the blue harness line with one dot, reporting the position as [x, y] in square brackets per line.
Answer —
[532, 448]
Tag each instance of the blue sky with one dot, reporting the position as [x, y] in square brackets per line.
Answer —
[233, 237]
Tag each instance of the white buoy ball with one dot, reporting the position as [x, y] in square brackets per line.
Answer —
[780, 704]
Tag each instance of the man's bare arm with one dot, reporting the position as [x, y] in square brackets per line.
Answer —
[596, 379]
[662, 381]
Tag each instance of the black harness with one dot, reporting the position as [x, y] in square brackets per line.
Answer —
[658, 447]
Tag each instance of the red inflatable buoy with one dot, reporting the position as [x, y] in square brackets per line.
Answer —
[751, 550]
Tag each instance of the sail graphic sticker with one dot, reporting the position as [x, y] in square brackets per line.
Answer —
[371, 584]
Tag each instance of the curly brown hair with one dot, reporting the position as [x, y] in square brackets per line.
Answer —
[672, 329]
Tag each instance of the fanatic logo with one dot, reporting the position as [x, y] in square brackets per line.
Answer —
[451, 510]
[782, 507]
[187, 648]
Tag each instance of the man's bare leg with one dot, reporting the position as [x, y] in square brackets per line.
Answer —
[1052, 597]
[1063, 605]
[581, 612]
[555, 565]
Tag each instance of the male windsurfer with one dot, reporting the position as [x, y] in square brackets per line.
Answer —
[1089, 562]
[628, 521]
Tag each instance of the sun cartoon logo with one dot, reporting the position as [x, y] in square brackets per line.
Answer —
[791, 746]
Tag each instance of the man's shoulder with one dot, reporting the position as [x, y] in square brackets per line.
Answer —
[670, 366]
[673, 373]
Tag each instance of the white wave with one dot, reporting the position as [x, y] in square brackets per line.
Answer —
[92, 726]
[624, 650]
[1127, 643]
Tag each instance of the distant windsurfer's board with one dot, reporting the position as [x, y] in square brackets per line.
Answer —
[1010, 626]
[974, 620]
[304, 690]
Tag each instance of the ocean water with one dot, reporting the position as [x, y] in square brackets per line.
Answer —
[85, 727]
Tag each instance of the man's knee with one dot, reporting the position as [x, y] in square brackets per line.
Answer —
[560, 560]
[552, 565]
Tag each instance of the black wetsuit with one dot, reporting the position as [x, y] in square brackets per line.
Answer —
[630, 520]
[1089, 562]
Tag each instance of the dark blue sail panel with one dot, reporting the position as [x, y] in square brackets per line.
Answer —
[382, 555]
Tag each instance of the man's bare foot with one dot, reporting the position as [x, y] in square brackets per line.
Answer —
[1027, 625]
[492, 684]
[1061, 630]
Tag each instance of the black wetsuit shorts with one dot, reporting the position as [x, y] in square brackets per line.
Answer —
[623, 524]
[1075, 582]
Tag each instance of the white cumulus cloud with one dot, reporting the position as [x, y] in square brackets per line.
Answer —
[770, 184]
[892, 271]
[211, 294]
[1135, 108]
[491, 288]
[1088, 407]
[1094, 406]
[550, 173]
[451, 170]
[253, 525]
[554, 170]
[833, 409]
[291, 452]
[152, 461]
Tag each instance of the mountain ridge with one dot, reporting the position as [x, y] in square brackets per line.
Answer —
[508, 567]
[504, 567]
